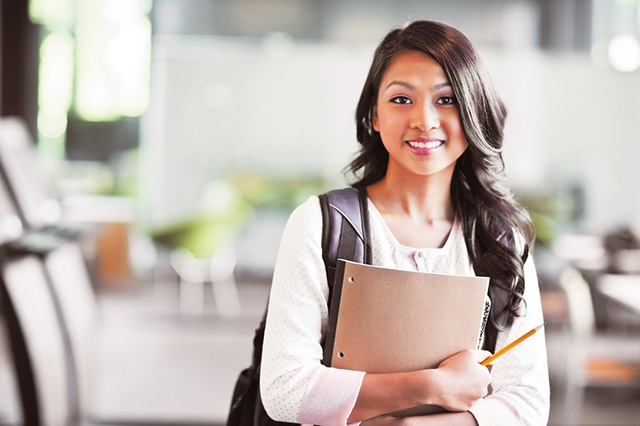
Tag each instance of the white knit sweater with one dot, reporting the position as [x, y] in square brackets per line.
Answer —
[297, 388]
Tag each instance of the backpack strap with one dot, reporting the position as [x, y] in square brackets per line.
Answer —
[345, 235]
[345, 228]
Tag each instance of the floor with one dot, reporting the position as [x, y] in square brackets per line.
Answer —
[178, 368]
[154, 366]
[221, 348]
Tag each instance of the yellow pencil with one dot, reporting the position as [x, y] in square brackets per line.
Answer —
[511, 345]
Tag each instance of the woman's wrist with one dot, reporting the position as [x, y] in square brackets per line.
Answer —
[385, 393]
[428, 387]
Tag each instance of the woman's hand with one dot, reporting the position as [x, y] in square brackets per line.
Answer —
[461, 380]
[455, 385]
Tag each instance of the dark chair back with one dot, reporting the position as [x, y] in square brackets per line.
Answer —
[37, 341]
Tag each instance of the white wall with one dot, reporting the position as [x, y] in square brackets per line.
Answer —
[286, 108]
[219, 104]
[572, 122]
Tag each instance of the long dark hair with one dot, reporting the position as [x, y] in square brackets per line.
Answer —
[498, 231]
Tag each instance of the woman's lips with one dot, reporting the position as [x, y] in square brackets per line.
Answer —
[431, 144]
[425, 146]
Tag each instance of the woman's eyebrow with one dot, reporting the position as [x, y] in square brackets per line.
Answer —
[442, 85]
[400, 83]
[412, 87]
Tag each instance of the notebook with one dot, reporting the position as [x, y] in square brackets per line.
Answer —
[387, 320]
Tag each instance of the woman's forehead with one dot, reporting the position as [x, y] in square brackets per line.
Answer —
[413, 67]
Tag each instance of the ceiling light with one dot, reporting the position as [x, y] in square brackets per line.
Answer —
[624, 53]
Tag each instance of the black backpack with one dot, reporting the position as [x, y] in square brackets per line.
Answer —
[345, 228]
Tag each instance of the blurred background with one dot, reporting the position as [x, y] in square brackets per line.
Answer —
[170, 140]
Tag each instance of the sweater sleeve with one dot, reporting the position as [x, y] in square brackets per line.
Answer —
[294, 385]
[520, 379]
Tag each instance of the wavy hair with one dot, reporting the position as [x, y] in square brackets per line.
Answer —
[497, 229]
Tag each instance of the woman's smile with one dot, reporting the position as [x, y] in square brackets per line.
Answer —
[425, 146]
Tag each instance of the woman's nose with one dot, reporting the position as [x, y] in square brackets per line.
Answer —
[425, 118]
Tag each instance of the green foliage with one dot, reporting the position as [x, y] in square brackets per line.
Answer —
[205, 232]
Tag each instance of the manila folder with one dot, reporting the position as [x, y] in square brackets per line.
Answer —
[387, 320]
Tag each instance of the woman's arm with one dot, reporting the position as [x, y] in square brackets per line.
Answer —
[295, 387]
[455, 385]
[462, 418]
[520, 379]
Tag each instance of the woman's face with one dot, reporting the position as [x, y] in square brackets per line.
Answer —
[417, 117]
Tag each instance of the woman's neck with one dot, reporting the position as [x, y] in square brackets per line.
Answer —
[418, 212]
[422, 198]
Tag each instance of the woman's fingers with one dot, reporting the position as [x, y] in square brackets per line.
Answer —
[463, 380]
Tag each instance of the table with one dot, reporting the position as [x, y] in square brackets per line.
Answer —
[623, 289]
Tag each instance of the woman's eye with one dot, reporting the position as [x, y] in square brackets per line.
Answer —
[446, 100]
[402, 100]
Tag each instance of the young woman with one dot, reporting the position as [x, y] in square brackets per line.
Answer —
[430, 128]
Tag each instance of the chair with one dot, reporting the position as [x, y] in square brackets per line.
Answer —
[37, 342]
[194, 273]
[65, 270]
[10, 223]
[34, 195]
[10, 409]
[56, 263]
[63, 285]
[593, 360]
